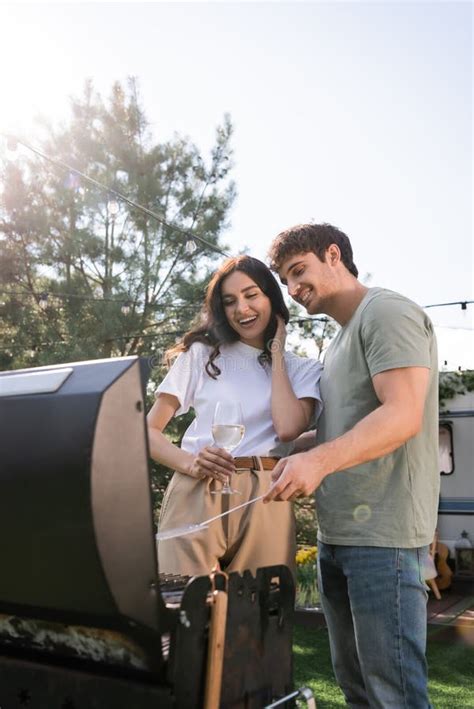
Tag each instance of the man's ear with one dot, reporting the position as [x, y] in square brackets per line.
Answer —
[333, 254]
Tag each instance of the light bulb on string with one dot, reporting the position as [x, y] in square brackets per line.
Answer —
[43, 301]
[126, 308]
[12, 144]
[190, 247]
[113, 207]
[72, 182]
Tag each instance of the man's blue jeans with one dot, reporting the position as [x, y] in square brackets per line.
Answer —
[374, 600]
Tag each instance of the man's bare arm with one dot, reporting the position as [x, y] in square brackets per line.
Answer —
[402, 394]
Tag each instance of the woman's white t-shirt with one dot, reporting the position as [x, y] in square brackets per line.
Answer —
[243, 378]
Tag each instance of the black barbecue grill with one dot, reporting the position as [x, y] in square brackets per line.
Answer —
[86, 622]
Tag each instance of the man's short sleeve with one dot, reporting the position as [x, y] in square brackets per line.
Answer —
[395, 333]
[182, 379]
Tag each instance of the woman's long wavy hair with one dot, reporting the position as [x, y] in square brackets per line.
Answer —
[214, 328]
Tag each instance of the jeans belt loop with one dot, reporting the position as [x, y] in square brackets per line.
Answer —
[257, 464]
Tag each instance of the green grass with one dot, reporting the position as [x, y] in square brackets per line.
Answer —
[451, 671]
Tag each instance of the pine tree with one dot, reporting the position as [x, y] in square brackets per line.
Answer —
[84, 275]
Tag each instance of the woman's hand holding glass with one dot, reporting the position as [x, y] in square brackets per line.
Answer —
[227, 430]
[212, 462]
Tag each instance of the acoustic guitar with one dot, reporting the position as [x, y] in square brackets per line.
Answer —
[440, 553]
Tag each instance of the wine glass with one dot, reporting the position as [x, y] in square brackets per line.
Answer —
[227, 431]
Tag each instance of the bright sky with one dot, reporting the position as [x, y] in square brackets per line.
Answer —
[355, 113]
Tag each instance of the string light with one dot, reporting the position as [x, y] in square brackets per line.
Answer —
[116, 338]
[44, 302]
[113, 207]
[462, 303]
[166, 334]
[302, 321]
[72, 182]
[114, 193]
[96, 299]
[12, 144]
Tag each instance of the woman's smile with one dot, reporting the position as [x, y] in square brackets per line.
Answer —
[248, 321]
[247, 308]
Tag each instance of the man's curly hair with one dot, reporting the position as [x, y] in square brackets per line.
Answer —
[316, 238]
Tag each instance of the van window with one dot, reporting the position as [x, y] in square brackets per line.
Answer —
[446, 452]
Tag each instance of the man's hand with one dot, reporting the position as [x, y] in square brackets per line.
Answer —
[296, 476]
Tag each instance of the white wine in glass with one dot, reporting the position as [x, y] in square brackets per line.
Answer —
[227, 436]
[227, 431]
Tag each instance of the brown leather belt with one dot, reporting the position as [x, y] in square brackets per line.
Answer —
[253, 463]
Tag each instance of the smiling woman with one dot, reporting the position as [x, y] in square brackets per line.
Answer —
[247, 308]
[236, 355]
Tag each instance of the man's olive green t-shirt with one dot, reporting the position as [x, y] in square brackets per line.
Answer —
[391, 501]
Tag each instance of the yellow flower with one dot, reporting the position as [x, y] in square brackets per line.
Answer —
[306, 555]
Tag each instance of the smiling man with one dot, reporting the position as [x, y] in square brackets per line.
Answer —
[374, 470]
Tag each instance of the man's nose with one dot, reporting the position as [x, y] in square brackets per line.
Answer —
[293, 289]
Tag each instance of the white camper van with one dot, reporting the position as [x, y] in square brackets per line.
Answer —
[456, 456]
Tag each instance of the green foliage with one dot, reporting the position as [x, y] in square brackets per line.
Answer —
[453, 383]
[306, 527]
[307, 595]
[319, 330]
[60, 235]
